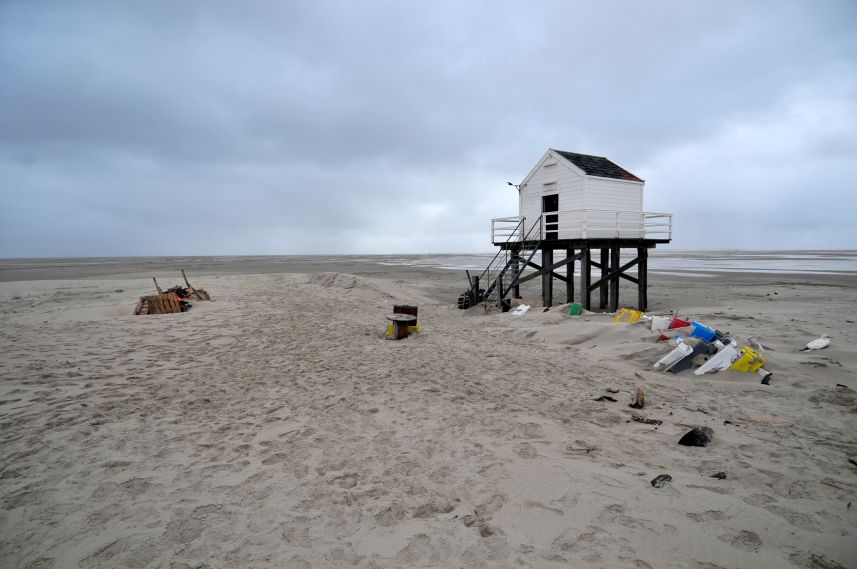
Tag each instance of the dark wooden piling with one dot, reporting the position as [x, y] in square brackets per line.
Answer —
[612, 271]
[586, 278]
[569, 271]
[642, 278]
[614, 280]
[603, 289]
[547, 277]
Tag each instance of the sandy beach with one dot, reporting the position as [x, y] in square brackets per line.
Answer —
[276, 427]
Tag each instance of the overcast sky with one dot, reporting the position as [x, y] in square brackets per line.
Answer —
[147, 128]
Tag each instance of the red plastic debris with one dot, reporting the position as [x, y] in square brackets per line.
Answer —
[678, 323]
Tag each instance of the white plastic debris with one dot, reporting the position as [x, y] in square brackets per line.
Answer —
[757, 345]
[522, 309]
[675, 356]
[719, 361]
[818, 344]
[660, 323]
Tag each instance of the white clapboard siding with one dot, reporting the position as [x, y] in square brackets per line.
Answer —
[578, 191]
[552, 176]
[609, 194]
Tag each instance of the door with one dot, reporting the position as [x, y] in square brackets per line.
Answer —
[551, 203]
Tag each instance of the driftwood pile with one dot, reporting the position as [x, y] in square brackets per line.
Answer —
[175, 299]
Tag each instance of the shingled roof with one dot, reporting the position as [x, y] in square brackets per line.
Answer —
[597, 166]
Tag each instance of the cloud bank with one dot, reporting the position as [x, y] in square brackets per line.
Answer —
[340, 127]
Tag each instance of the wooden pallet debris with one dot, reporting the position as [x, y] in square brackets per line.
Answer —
[167, 303]
[198, 293]
[175, 299]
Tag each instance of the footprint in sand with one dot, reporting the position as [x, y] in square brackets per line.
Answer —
[526, 451]
[423, 549]
[707, 516]
[487, 510]
[744, 539]
[183, 530]
[297, 533]
[432, 509]
[807, 560]
[759, 500]
[390, 516]
[345, 481]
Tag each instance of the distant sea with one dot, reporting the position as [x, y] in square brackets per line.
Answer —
[694, 264]
[684, 263]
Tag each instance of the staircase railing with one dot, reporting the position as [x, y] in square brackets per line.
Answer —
[530, 242]
[501, 261]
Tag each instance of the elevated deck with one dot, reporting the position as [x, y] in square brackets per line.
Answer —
[583, 227]
[575, 233]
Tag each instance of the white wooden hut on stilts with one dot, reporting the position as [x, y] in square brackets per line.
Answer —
[572, 203]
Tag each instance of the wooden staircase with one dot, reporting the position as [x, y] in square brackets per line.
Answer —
[505, 270]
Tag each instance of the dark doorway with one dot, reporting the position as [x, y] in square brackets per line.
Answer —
[551, 203]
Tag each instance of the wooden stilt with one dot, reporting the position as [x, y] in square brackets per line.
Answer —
[602, 290]
[614, 282]
[585, 279]
[500, 294]
[547, 278]
[569, 284]
[518, 255]
[642, 278]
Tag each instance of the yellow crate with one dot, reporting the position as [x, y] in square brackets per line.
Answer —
[627, 315]
[750, 360]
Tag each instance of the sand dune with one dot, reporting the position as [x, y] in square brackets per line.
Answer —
[275, 427]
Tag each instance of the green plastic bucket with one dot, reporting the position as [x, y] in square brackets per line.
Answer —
[574, 309]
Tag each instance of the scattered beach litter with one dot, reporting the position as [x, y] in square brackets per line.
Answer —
[697, 437]
[818, 344]
[638, 419]
[521, 310]
[680, 352]
[605, 398]
[756, 345]
[703, 348]
[173, 300]
[720, 361]
[627, 315]
[702, 332]
[660, 480]
[639, 399]
[660, 323]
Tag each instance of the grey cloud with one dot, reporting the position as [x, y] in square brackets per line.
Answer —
[313, 127]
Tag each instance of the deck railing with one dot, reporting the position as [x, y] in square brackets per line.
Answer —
[587, 224]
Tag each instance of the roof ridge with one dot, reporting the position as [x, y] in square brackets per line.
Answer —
[600, 166]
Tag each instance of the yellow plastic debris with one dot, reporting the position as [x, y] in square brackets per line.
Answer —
[750, 360]
[627, 315]
[389, 332]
